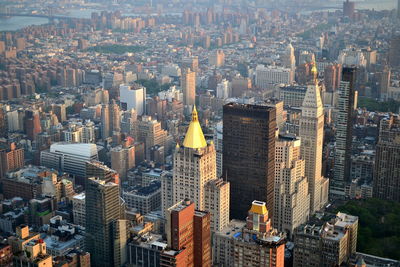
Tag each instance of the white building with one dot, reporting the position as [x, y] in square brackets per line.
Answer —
[70, 158]
[268, 77]
[217, 138]
[224, 89]
[171, 93]
[133, 96]
[352, 56]
[292, 199]
[79, 209]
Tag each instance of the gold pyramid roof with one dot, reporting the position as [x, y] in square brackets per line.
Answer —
[194, 137]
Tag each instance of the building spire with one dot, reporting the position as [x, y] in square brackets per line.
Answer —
[314, 72]
[194, 137]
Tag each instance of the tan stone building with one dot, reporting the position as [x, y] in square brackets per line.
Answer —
[312, 135]
[292, 199]
[195, 177]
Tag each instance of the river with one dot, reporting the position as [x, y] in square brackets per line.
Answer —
[16, 23]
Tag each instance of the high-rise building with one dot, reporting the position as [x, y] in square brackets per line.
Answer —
[190, 63]
[79, 209]
[105, 122]
[347, 103]
[133, 97]
[327, 244]
[292, 198]
[249, 138]
[217, 138]
[115, 118]
[348, 9]
[103, 231]
[151, 133]
[70, 158]
[288, 58]
[11, 158]
[188, 234]
[311, 132]
[97, 169]
[268, 77]
[123, 158]
[250, 243]
[32, 124]
[394, 57]
[332, 77]
[189, 87]
[195, 177]
[217, 59]
[387, 167]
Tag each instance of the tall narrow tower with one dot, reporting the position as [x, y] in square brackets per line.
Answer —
[105, 122]
[195, 176]
[194, 165]
[189, 87]
[347, 103]
[312, 135]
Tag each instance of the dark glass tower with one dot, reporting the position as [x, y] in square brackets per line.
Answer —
[249, 155]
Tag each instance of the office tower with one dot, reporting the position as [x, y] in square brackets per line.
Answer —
[73, 134]
[97, 169]
[398, 9]
[328, 243]
[123, 158]
[293, 95]
[103, 229]
[288, 58]
[115, 118]
[191, 62]
[268, 77]
[387, 167]
[188, 234]
[347, 103]
[133, 97]
[224, 89]
[70, 158]
[348, 9]
[32, 124]
[383, 78]
[195, 177]
[217, 59]
[128, 123]
[188, 85]
[150, 132]
[105, 122]
[240, 85]
[251, 243]
[352, 56]
[60, 111]
[217, 138]
[292, 198]
[394, 55]
[11, 158]
[280, 112]
[3, 123]
[311, 132]
[332, 77]
[249, 138]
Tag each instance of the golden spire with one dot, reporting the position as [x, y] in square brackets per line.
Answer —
[314, 72]
[194, 137]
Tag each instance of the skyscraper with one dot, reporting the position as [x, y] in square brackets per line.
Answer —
[311, 132]
[188, 233]
[394, 57]
[105, 122]
[123, 158]
[103, 212]
[189, 87]
[249, 155]
[292, 199]
[387, 161]
[288, 59]
[115, 118]
[348, 9]
[195, 177]
[347, 103]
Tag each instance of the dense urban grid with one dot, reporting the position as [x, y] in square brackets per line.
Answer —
[199, 133]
